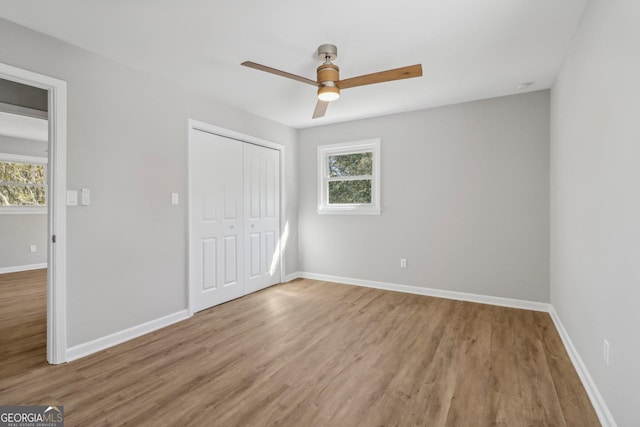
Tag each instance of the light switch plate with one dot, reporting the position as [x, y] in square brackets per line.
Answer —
[72, 198]
[175, 198]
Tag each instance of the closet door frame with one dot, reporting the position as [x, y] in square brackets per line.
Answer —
[198, 126]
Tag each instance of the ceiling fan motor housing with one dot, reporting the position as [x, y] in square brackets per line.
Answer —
[328, 75]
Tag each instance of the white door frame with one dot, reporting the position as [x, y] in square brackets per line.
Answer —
[197, 126]
[56, 209]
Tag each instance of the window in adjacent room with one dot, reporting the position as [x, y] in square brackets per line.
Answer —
[349, 178]
[23, 184]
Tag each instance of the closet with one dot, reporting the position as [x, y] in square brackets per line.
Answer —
[234, 218]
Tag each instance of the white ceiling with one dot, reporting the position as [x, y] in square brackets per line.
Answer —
[469, 49]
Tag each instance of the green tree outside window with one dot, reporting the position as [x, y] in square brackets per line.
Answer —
[22, 184]
[350, 178]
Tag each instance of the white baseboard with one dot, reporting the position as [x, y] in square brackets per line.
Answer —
[606, 419]
[462, 296]
[292, 276]
[19, 268]
[82, 350]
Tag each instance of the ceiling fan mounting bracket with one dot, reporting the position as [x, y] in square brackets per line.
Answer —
[327, 52]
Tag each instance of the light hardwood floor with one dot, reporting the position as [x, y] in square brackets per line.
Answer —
[310, 353]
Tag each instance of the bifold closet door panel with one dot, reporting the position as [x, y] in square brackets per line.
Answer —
[216, 252]
[262, 217]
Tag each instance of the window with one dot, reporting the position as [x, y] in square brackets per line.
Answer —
[23, 184]
[349, 178]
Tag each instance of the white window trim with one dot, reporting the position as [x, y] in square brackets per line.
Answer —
[18, 158]
[324, 151]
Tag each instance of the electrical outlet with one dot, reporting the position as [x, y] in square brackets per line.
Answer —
[32, 248]
[403, 263]
[605, 352]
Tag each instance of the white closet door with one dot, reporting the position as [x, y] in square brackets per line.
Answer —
[261, 217]
[216, 220]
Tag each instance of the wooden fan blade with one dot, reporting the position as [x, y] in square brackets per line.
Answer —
[321, 108]
[382, 76]
[279, 73]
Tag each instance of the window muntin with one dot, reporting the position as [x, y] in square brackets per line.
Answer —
[23, 184]
[349, 178]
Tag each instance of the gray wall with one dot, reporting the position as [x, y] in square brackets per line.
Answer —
[595, 200]
[465, 198]
[20, 231]
[127, 142]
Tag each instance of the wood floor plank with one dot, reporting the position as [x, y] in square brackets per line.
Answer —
[309, 353]
[536, 382]
[23, 322]
[572, 397]
[503, 369]
[471, 394]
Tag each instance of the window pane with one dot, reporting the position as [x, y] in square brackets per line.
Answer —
[347, 192]
[22, 184]
[356, 164]
[13, 195]
[24, 173]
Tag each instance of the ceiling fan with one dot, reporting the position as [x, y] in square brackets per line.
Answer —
[328, 77]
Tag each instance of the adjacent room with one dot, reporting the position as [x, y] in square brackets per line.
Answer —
[346, 214]
[23, 226]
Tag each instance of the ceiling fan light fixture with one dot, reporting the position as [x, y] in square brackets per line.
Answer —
[328, 93]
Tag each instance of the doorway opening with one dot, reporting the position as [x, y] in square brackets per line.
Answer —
[29, 187]
[23, 227]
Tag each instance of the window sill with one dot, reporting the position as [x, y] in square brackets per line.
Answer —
[8, 210]
[349, 211]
